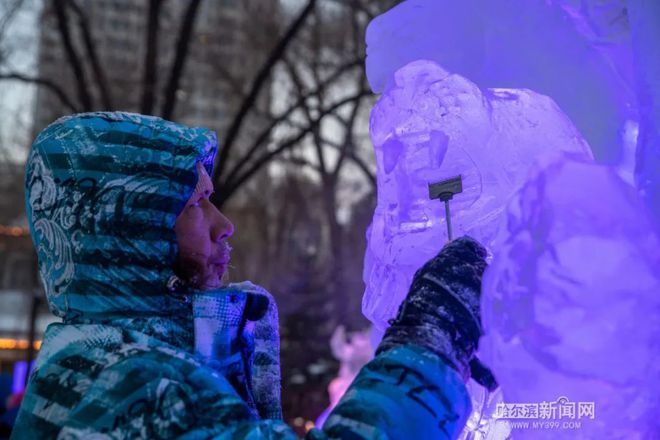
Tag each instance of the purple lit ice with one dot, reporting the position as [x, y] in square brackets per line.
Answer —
[575, 51]
[571, 304]
[431, 125]
[644, 18]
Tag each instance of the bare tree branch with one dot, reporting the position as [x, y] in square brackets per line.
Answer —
[149, 79]
[258, 83]
[361, 164]
[300, 161]
[357, 6]
[90, 48]
[358, 37]
[75, 63]
[182, 44]
[7, 17]
[297, 81]
[348, 143]
[349, 126]
[229, 187]
[263, 136]
[236, 85]
[316, 133]
[350, 153]
[48, 84]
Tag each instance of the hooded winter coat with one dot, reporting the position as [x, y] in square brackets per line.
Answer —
[103, 191]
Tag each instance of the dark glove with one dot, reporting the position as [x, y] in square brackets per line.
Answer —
[441, 311]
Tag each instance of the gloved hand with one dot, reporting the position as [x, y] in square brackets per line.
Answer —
[441, 311]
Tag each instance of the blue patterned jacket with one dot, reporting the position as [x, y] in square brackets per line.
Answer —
[103, 191]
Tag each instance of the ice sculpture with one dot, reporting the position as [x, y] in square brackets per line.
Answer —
[352, 353]
[571, 304]
[626, 167]
[430, 125]
[644, 19]
[546, 46]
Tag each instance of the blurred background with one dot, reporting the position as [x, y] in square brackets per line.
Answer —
[283, 84]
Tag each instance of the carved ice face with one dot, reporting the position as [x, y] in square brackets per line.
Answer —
[429, 126]
[415, 145]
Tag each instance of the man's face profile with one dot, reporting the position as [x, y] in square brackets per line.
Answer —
[201, 233]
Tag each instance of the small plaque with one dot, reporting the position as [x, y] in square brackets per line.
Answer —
[445, 189]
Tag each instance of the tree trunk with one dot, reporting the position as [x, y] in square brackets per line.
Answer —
[60, 7]
[182, 49]
[150, 79]
[258, 84]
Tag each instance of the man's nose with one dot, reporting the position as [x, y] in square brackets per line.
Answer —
[221, 227]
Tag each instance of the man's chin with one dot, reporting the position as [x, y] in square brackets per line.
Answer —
[208, 281]
[202, 276]
[219, 271]
[211, 281]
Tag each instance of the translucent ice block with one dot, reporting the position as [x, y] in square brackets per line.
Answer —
[431, 125]
[571, 304]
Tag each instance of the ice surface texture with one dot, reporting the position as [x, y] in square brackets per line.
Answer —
[571, 304]
[542, 45]
[644, 18]
[430, 125]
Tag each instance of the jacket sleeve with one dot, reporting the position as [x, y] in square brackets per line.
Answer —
[404, 393]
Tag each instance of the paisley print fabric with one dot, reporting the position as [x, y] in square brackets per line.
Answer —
[103, 191]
